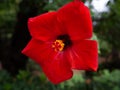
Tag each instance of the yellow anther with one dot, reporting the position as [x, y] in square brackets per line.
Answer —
[58, 45]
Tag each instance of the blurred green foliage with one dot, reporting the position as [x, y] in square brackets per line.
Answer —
[107, 26]
[55, 4]
[8, 10]
[26, 80]
[107, 80]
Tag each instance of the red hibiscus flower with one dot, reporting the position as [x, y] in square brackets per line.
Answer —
[61, 42]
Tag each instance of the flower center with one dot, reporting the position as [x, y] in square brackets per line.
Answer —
[61, 43]
[58, 45]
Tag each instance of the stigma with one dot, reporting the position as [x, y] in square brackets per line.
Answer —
[58, 45]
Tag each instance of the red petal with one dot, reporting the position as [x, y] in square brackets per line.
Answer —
[84, 55]
[58, 70]
[43, 27]
[54, 65]
[77, 20]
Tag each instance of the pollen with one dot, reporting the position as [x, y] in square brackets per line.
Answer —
[58, 45]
